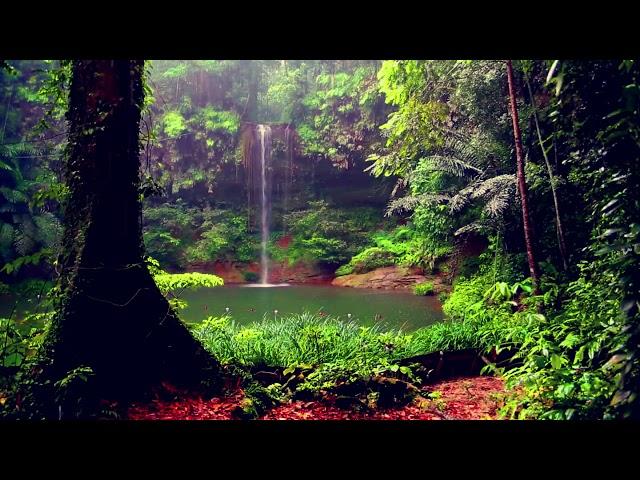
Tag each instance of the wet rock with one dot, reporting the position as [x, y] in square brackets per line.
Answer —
[389, 278]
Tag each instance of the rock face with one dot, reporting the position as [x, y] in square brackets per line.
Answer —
[232, 272]
[389, 278]
[386, 278]
[299, 273]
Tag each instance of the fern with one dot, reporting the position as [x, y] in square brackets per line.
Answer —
[13, 196]
[410, 202]
[494, 186]
[49, 231]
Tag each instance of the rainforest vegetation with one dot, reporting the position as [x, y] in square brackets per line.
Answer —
[502, 192]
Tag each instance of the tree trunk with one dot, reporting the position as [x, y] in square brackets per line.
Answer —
[112, 317]
[552, 182]
[522, 184]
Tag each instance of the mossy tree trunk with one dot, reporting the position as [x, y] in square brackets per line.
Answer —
[112, 317]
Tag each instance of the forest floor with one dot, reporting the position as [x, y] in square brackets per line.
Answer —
[463, 398]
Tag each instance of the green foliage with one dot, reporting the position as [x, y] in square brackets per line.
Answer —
[29, 231]
[179, 281]
[19, 340]
[571, 366]
[404, 245]
[322, 353]
[367, 260]
[214, 120]
[425, 288]
[492, 281]
[224, 237]
[177, 235]
[69, 389]
[419, 118]
[174, 124]
[172, 285]
[326, 235]
[304, 339]
[338, 115]
[250, 276]
[18, 263]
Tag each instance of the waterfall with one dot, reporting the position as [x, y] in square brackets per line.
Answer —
[287, 175]
[265, 139]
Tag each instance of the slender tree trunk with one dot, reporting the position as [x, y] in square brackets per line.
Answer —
[522, 184]
[6, 112]
[112, 317]
[559, 230]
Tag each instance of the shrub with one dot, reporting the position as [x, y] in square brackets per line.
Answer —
[425, 288]
[250, 276]
[344, 270]
[172, 285]
[223, 236]
[327, 235]
[367, 260]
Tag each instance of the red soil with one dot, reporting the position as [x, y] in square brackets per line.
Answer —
[470, 398]
[188, 409]
[284, 241]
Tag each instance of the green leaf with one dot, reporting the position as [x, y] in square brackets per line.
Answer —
[556, 361]
[552, 70]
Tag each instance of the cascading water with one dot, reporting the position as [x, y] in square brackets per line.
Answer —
[257, 161]
[265, 138]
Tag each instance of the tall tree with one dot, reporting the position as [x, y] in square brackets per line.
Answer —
[522, 184]
[552, 182]
[112, 317]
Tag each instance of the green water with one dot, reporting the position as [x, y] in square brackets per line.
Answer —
[368, 307]
[247, 305]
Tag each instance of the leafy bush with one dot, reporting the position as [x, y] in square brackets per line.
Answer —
[468, 295]
[250, 276]
[224, 236]
[403, 245]
[369, 259]
[325, 235]
[303, 339]
[174, 124]
[178, 235]
[425, 288]
[172, 285]
[163, 246]
[572, 364]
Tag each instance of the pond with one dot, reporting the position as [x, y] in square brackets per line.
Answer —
[246, 305]
[366, 306]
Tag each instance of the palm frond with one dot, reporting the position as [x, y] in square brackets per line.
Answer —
[6, 237]
[477, 226]
[492, 186]
[13, 196]
[13, 150]
[453, 166]
[25, 237]
[410, 202]
[499, 203]
[471, 227]
[401, 183]
[49, 230]
[462, 198]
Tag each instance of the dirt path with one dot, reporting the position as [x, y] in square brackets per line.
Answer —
[466, 398]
